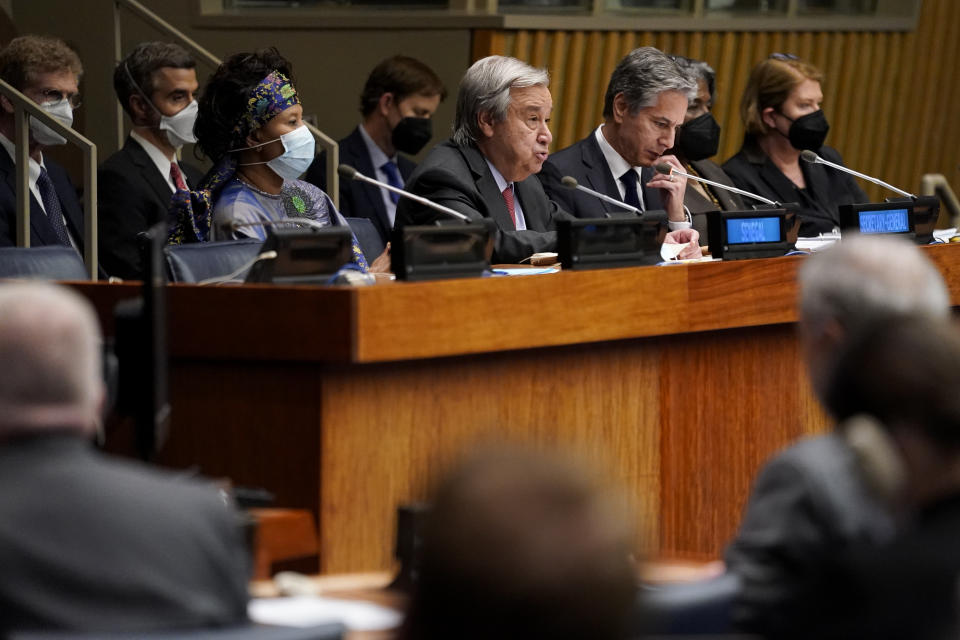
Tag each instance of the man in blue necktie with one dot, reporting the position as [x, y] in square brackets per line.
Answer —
[398, 100]
[47, 71]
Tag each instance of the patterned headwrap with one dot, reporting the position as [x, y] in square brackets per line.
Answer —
[191, 211]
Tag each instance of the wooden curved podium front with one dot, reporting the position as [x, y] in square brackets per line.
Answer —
[678, 380]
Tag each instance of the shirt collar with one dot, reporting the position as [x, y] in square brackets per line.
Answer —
[34, 166]
[158, 157]
[618, 166]
[501, 181]
[377, 156]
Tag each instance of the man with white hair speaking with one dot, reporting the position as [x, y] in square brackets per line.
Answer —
[486, 170]
[87, 542]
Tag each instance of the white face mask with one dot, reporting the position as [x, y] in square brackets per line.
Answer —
[179, 127]
[298, 151]
[44, 135]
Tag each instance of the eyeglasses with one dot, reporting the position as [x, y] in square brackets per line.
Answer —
[53, 95]
[783, 56]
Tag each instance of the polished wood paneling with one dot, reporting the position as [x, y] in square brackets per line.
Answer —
[888, 95]
[679, 381]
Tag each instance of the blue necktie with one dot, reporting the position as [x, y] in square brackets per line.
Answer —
[52, 204]
[629, 180]
[393, 177]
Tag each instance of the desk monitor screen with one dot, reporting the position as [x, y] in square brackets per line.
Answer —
[753, 230]
[885, 221]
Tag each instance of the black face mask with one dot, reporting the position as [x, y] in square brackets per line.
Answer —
[809, 131]
[699, 139]
[411, 135]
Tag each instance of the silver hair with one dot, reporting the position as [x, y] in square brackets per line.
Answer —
[485, 88]
[866, 277]
[50, 349]
[698, 70]
[642, 76]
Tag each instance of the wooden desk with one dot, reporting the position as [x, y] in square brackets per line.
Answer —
[680, 380]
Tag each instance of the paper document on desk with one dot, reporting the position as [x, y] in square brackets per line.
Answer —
[306, 611]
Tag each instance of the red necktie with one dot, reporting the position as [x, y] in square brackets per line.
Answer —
[508, 198]
[177, 177]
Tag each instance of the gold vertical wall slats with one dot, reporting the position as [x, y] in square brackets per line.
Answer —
[889, 97]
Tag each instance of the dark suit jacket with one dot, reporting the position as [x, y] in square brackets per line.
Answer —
[93, 543]
[808, 504]
[359, 199]
[41, 231]
[584, 161]
[699, 205]
[827, 188]
[132, 195]
[458, 177]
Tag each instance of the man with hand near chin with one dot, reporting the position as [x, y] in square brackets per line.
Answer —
[644, 107]
[155, 84]
[48, 72]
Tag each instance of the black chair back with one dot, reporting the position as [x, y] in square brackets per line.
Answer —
[50, 263]
[204, 260]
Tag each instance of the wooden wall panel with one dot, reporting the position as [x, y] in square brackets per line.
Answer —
[889, 96]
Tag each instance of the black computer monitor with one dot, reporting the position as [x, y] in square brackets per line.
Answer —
[602, 243]
[760, 233]
[304, 256]
[895, 218]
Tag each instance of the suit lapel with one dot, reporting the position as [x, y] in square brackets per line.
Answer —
[651, 197]
[69, 204]
[487, 186]
[41, 233]
[148, 171]
[599, 176]
[355, 148]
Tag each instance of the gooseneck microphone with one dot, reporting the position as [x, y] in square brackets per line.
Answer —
[349, 173]
[668, 169]
[571, 183]
[813, 158]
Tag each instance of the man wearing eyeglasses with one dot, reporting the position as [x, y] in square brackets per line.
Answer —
[47, 71]
[155, 84]
[644, 107]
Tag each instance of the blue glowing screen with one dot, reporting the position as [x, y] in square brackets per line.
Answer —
[753, 230]
[890, 221]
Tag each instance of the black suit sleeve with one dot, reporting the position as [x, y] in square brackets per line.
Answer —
[551, 179]
[122, 213]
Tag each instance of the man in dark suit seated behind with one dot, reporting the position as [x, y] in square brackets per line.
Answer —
[399, 98]
[486, 170]
[155, 85]
[47, 71]
[87, 542]
[645, 103]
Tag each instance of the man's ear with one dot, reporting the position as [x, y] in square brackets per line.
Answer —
[139, 108]
[385, 103]
[485, 120]
[620, 107]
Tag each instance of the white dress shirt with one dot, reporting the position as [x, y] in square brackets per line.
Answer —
[159, 158]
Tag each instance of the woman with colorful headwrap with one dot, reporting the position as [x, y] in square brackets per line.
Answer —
[250, 124]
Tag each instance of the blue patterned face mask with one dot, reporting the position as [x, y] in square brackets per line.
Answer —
[298, 152]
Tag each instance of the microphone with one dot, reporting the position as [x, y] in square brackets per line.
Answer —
[813, 158]
[349, 173]
[668, 169]
[571, 183]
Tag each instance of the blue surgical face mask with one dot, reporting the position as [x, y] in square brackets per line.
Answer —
[298, 152]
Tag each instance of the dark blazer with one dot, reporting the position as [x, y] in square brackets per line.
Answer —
[827, 188]
[41, 231]
[132, 195]
[584, 161]
[699, 205]
[809, 503]
[359, 199]
[94, 543]
[459, 178]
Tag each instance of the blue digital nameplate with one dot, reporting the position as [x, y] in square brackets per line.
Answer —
[753, 230]
[885, 221]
